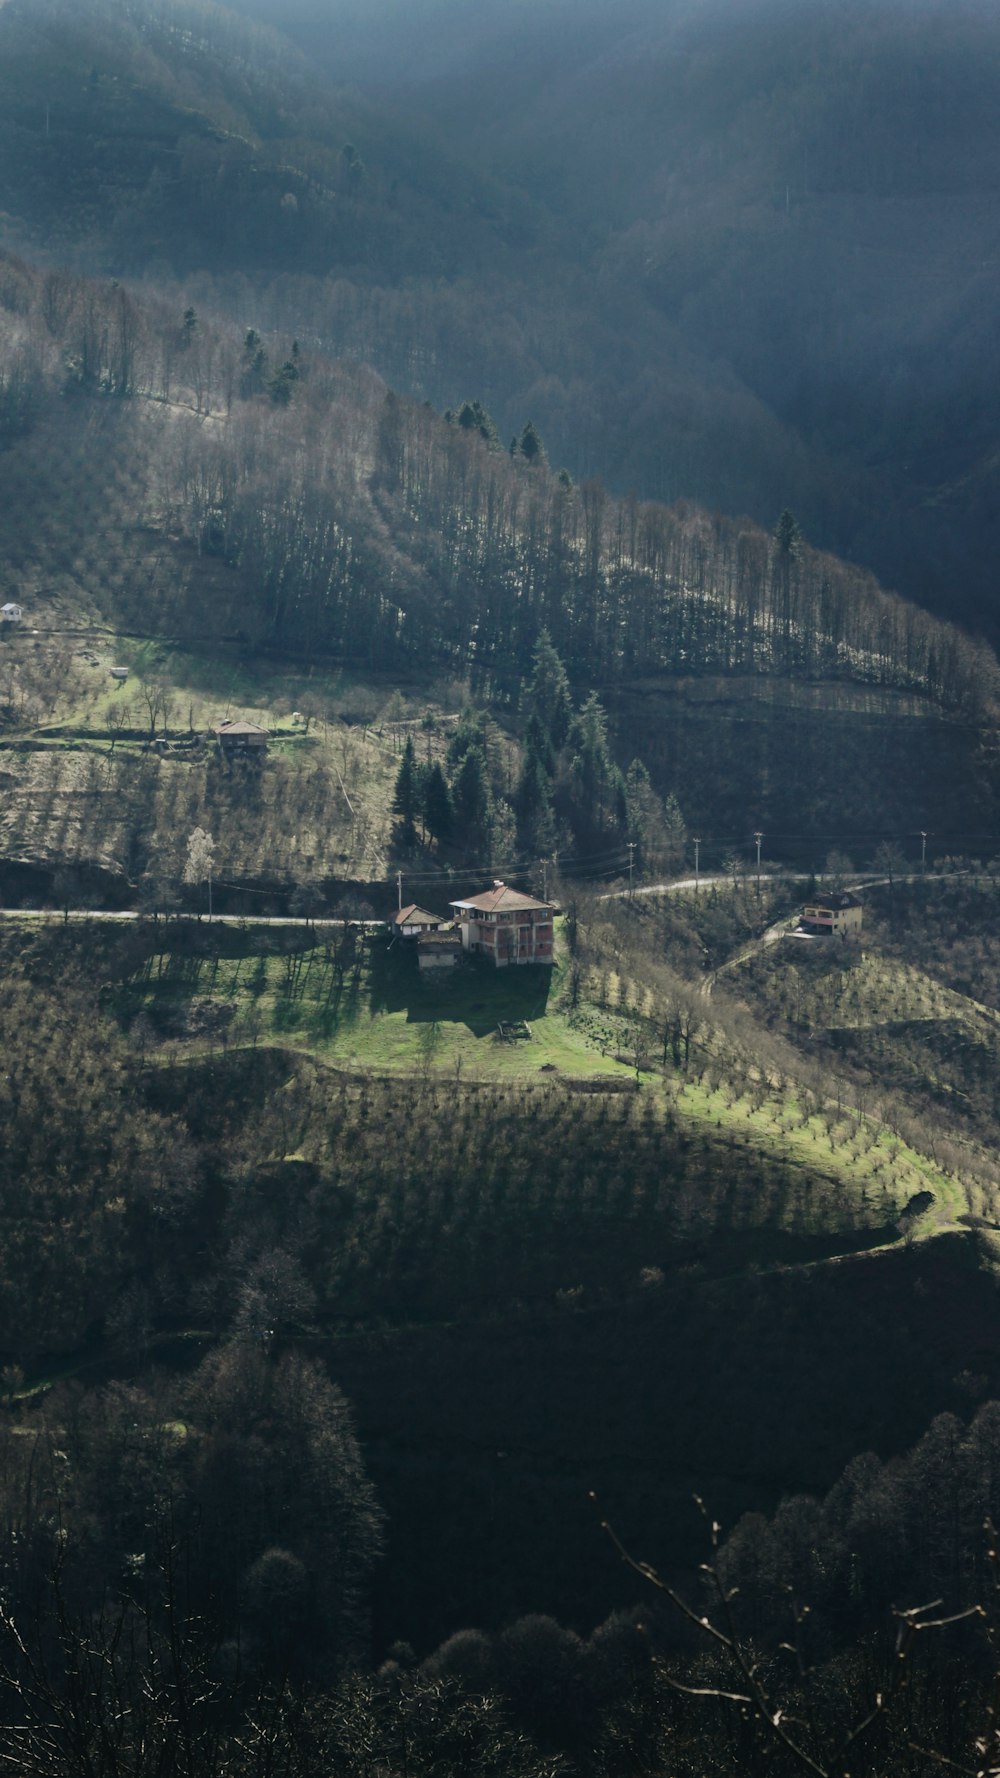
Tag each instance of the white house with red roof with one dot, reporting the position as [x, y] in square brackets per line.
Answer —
[412, 921]
[506, 926]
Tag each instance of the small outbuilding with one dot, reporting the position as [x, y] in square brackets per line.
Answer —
[439, 950]
[120, 674]
[11, 613]
[236, 739]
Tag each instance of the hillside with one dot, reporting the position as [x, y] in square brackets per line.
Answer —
[801, 196]
[641, 288]
[357, 382]
[254, 529]
[337, 1151]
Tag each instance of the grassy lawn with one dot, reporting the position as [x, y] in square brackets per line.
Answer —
[363, 1006]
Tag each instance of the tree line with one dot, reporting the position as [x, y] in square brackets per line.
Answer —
[570, 795]
[360, 524]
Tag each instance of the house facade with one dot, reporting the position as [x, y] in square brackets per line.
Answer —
[412, 921]
[11, 613]
[439, 950]
[236, 738]
[837, 916]
[506, 926]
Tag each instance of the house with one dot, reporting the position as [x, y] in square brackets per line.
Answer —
[11, 613]
[237, 739]
[837, 915]
[438, 943]
[412, 921]
[439, 950]
[506, 926]
[119, 673]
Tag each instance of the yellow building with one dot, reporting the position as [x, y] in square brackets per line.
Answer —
[837, 915]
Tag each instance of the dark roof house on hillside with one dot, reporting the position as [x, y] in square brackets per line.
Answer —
[506, 925]
[241, 737]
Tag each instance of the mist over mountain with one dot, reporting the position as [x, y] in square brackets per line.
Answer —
[804, 196]
[741, 256]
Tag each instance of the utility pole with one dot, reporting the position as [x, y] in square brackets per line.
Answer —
[923, 850]
[545, 879]
[758, 837]
[697, 845]
[399, 888]
[210, 892]
[631, 860]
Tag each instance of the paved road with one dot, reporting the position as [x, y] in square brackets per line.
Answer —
[674, 887]
[706, 880]
[82, 915]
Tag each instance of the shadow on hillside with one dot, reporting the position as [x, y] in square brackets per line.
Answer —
[473, 993]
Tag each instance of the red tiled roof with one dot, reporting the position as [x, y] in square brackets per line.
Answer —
[501, 898]
[416, 916]
[231, 727]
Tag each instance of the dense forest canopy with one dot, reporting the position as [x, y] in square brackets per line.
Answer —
[711, 263]
[363, 524]
[802, 193]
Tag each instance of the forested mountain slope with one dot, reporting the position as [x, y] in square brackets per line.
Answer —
[372, 525]
[649, 235]
[226, 489]
[183, 145]
[699, 1207]
[805, 195]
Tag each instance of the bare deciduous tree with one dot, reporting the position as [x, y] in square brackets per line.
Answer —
[198, 865]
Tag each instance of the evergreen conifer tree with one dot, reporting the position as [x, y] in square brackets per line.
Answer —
[596, 789]
[473, 417]
[546, 694]
[641, 808]
[473, 805]
[405, 795]
[530, 446]
[437, 810]
[533, 805]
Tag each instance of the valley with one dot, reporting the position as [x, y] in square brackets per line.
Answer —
[439, 453]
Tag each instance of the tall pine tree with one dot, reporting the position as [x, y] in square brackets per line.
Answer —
[437, 810]
[405, 795]
[473, 806]
[596, 791]
[546, 694]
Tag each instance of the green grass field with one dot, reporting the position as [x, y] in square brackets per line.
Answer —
[363, 1006]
